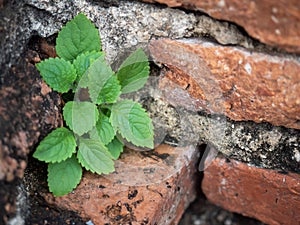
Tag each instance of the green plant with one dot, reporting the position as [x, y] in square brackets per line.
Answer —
[97, 123]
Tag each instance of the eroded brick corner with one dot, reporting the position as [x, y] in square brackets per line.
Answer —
[147, 188]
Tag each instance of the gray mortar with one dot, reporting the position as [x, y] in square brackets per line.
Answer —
[262, 145]
[223, 32]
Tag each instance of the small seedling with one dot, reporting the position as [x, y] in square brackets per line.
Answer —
[97, 124]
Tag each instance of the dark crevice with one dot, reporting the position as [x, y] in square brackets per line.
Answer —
[105, 3]
[201, 211]
[40, 212]
[32, 7]
[45, 47]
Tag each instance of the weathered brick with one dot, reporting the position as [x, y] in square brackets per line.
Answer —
[242, 85]
[147, 188]
[267, 195]
[276, 23]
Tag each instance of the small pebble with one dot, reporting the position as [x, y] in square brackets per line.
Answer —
[89, 223]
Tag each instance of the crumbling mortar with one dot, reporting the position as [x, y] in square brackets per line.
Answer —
[262, 145]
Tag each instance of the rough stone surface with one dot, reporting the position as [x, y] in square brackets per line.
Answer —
[28, 110]
[121, 25]
[260, 144]
[267, 195]
[228, 80]
[276, 23]
[147, 188]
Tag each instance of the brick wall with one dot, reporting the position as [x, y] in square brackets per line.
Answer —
[225, 74]
[245, 84]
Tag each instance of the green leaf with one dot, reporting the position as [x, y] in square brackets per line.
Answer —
[63, 177]
[58, 73]
[78, 36]
[134, 72]
[81, 117]
[110, 91]
[94, 156]
[115, 147]
[101, 82]
[84, 60]
[104, 130]
[57, 146]
[133, 123]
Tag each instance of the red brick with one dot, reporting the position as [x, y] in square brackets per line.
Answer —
[157, 192]
[276, 23]
[240, 84]
[266, 195]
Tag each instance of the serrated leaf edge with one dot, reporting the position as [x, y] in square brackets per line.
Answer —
[65, 27]
[130, 141]
[100, 115]
[88, 167]
[77, 183]
[71, 127]
[55, 59]
[58, 161]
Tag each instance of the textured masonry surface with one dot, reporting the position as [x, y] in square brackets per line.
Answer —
[269, 79]
[28, 109]
[272, 22]
[143, 190]
[267, 195]
[227, 80]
